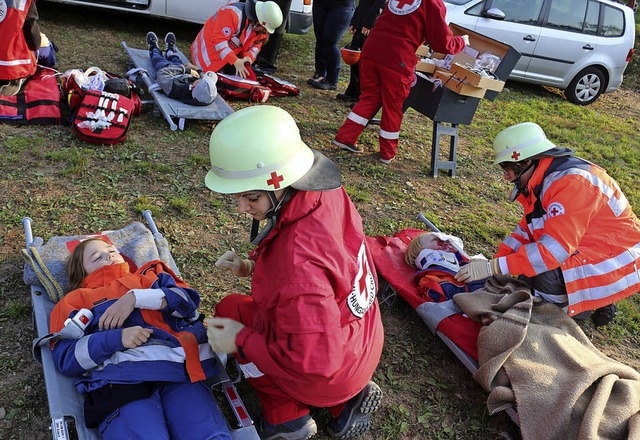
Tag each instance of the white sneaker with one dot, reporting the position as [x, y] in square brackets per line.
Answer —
[386, 161]
[349, 147]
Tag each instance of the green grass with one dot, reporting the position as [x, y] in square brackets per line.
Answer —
[69, 187]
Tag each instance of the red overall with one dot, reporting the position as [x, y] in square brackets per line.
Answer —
[387, 63]
[313, 334]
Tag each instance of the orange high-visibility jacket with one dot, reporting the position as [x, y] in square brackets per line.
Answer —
[576, 218]
[225, 37]
[16, 59]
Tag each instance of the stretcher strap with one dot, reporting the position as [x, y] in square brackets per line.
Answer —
[54, 290]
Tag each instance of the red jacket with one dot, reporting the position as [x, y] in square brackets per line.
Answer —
[225, 37]
[17, 60]
[317, 331]
[402, 27]
[576, 218]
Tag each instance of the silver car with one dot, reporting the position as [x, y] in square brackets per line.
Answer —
[580, 46]
[195, 11]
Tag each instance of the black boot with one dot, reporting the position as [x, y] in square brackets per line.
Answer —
[604, 315]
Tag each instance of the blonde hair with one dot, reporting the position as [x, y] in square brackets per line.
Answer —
[414, 249]
[74, 264]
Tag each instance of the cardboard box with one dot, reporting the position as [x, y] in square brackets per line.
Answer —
[425, 66]
[458, 85]
[423, 51]
[474, 79]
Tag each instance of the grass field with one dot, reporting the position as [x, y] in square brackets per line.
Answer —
[70, 187]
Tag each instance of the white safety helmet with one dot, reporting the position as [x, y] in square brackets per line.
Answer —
[269, 15]
[259, 148]
[520, 142]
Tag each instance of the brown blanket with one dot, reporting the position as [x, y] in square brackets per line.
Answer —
[534, 355]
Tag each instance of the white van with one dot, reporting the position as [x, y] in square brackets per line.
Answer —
[194, 11]
[580, 46]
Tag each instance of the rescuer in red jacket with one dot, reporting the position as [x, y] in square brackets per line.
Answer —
[310, 334]
[20, 38]
[387, 63]
[578, 242]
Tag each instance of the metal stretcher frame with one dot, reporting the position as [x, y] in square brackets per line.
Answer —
[387, 291]
[66, 404]
[172, 108]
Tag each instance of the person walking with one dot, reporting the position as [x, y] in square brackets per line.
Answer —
[387, 65]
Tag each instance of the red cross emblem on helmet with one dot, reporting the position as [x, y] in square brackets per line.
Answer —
[515, 156]
[275, 180]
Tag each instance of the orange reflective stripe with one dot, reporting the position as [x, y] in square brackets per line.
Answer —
[187, 341]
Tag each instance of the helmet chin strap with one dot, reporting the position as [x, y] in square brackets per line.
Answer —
[258, 235]
[517, 185]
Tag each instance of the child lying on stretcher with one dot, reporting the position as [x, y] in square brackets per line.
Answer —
[438, 257]
[144, 354]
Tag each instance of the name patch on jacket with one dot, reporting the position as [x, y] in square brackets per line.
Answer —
[404, 7]
[363, 293]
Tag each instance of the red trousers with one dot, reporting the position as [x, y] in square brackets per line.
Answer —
[381, 87]
[277, 405]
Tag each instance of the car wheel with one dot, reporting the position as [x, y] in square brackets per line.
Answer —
[586, 86]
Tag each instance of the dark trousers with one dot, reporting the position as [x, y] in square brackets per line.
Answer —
[353, 89]
[329, 25]
[549, 285]
[269, 51]
[158, 60]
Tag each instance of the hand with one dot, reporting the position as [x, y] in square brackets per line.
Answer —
[352, 29]
[231, 262]
[241, 69]
[133, 337]
[365, 31]
[466, 40]
[117, 312]
[477, 270]
[222, 334]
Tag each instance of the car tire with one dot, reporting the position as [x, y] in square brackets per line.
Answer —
[586, 86]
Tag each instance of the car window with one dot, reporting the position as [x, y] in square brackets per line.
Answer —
[475, 10]
[519, 11]
[591, 19]
[612, 22]
[457, 2]
[570, 15]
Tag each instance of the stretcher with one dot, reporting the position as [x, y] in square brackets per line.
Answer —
[172, 108]
[44, 273]
[444, 319]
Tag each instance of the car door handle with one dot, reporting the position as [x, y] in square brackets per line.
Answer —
[588, 47]
[529, 38]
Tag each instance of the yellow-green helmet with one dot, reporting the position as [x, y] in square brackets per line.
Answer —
[520, 142]
[259, 148]
[269, 15]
